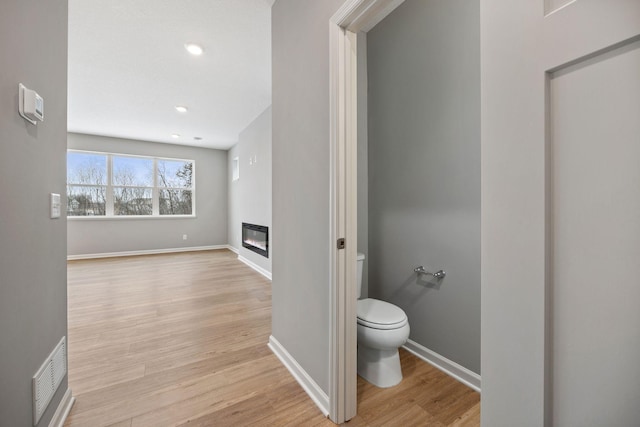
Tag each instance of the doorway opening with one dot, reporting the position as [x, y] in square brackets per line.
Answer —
[350, 29]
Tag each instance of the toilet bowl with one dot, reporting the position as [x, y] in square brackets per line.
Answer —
[382, 328]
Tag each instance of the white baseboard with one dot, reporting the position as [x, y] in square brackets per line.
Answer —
[146, 252]
[232, 249]
[314, 391]
[447, 366]
[255, 266]
[62, 412]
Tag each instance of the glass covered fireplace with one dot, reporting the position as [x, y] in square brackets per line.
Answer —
[256, 238]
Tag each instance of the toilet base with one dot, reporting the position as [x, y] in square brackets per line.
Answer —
[379, 367]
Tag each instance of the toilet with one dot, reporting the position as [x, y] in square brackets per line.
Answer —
[382, 329]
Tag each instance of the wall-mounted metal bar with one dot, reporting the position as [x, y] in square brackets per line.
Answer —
[440, 274]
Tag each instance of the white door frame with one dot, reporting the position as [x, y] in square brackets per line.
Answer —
[353, 17]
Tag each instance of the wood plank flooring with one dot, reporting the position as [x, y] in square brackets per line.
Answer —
[180, 340]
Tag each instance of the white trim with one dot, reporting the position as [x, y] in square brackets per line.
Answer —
[354, 16]
[363, 15]
[63, 409]
[314, 391]
[127, 217]
[447, 366]
[379, 14]
[266, 273]
[233, 249]
[338, 389]
[147, 252]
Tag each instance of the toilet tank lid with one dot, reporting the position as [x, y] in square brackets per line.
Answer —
[380, 312]
[360, 256]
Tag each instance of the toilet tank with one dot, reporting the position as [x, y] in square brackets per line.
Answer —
[360, 261]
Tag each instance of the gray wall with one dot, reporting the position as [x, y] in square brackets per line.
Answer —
[300, 58]
[250, 196]
[424, 171]
[363, 156]
[209, 227]
[33, 268]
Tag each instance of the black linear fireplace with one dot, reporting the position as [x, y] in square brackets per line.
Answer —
[256, 238]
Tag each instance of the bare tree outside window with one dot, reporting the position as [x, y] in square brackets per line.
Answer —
[132, 186]
[86, 184]
[175, 187]
[113, 185]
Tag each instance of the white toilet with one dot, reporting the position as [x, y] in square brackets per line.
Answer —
[382, 328]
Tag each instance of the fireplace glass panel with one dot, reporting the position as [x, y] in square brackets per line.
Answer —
[256, 238]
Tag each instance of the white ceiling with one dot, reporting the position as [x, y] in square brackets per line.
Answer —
[128, 68]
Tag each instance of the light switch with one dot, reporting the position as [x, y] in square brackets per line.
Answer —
[55, 205]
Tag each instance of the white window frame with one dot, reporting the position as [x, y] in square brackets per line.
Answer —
[235, 167]
[155, 189]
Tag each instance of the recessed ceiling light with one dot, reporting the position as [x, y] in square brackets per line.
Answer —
[175, 135]
[194, 49]
[181, 108]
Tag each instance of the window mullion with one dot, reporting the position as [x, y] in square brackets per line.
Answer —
[109, 208]
[155, 194]
[192, 187]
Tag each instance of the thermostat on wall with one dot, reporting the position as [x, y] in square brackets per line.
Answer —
[30, 104]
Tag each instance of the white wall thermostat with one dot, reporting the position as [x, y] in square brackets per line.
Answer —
[30, 105]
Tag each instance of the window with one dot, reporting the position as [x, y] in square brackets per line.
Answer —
[86, 184]
[236, 168]
[115, 185]
[132, 185]
[174, 183]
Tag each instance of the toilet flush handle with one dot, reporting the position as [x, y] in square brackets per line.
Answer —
[440, 274]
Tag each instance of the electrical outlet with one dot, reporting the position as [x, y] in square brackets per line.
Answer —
[184, 237]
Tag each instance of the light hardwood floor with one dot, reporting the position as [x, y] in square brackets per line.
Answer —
[180, 339]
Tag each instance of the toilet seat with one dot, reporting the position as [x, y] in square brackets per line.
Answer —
[377, 314]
